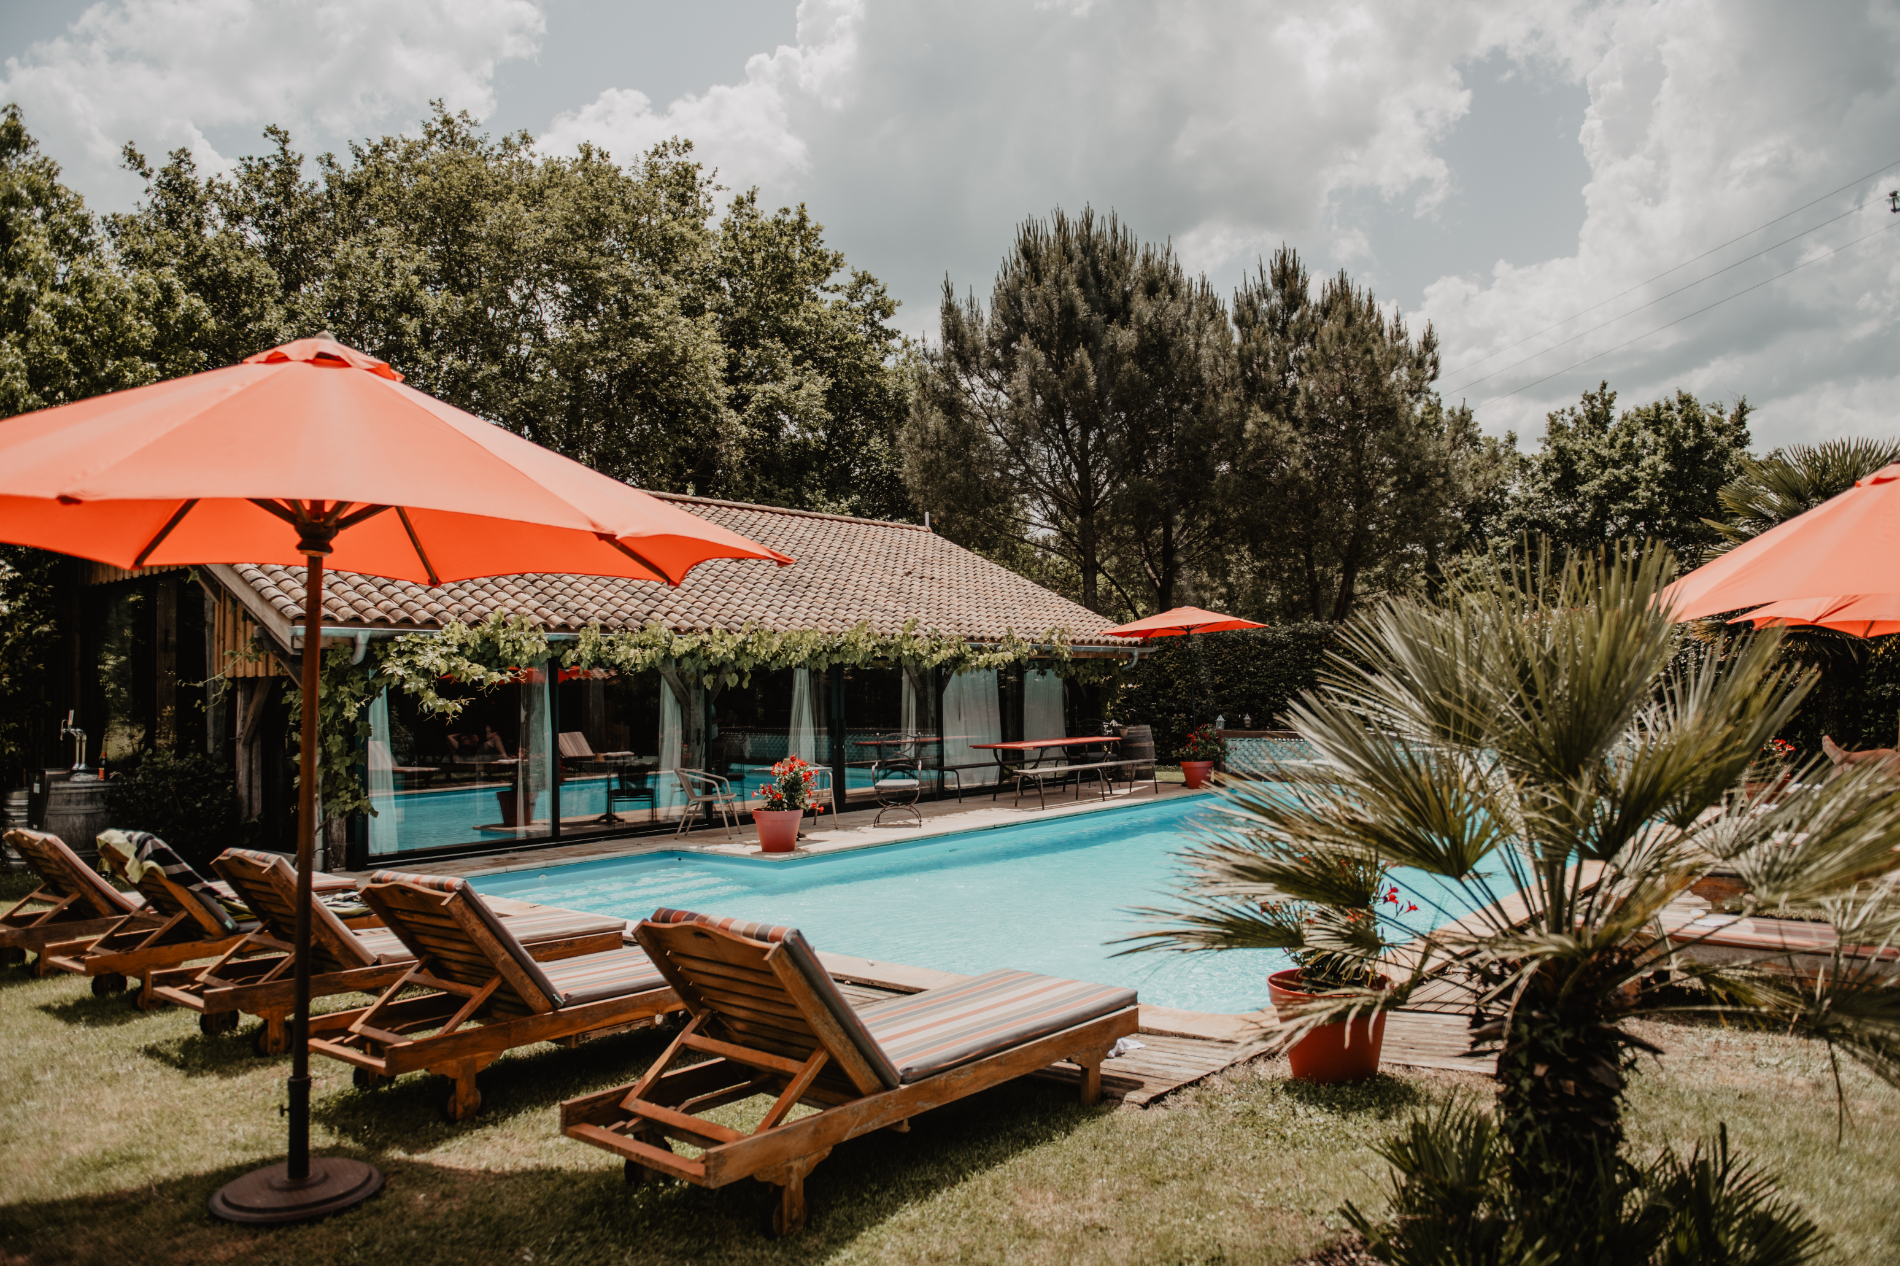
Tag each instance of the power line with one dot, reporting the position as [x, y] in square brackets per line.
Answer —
[1653, 302]
[1678, 268]
[1895, 224]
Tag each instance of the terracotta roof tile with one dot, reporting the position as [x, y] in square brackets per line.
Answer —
[848, 570]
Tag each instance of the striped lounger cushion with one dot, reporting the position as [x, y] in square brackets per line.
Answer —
[541, 925]
[613, 974]
[934, 1031]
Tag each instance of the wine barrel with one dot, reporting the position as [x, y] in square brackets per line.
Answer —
[76, 812]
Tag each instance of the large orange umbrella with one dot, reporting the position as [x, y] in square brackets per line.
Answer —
[1862, 615]
[1183, 620]
[314, 451]
[1849, 544]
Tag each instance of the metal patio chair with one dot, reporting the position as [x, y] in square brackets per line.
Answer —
[702, 788]
[897, 778]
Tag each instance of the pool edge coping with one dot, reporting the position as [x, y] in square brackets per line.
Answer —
[673, 844]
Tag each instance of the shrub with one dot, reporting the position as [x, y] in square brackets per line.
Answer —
[189, 801]
[1184, 681]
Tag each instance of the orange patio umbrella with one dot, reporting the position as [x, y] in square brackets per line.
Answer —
[1847, 545]
[1862, 615]
[315, 452]
[1183, 620]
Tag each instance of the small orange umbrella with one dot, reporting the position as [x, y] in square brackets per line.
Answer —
[1847, 545]
[1863, 615]
[1182, 620]
[313, 451]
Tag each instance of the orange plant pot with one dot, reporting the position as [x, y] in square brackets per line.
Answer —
[1197, 772]
[778, 829]
[1347, 1051]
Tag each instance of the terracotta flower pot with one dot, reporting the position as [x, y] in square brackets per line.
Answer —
[506, 799]
[778, 829]
[1347, 1051]
[1196, 772]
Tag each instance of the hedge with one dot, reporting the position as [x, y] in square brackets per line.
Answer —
[1187, 681]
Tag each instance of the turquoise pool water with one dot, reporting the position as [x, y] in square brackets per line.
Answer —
[1043, 896]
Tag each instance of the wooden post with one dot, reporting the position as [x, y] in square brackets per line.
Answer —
[840, 773]
[165, 662]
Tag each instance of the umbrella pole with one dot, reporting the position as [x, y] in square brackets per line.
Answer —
[299, 1190]
[307, 805]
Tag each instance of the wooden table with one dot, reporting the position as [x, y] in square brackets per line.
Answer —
[1040, 747]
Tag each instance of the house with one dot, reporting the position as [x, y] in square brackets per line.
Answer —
[562, 752]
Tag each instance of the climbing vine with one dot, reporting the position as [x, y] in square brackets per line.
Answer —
[504, 648]
[499, 649]
[344, 690]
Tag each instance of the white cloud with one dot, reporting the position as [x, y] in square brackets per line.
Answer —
[1707, 119]
[743, 129]
[1228, 126]
[161, 73]
[922, 133]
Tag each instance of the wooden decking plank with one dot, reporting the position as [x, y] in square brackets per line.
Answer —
[1432, 1036]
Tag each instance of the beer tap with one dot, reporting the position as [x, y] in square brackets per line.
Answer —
[82, 772]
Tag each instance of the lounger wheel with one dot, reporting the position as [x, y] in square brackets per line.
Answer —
[107, 984]
[787, 1214]
[212, 1023]
[369, 1079]
[264, 1042]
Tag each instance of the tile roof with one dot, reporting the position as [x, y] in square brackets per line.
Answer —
[847, 570]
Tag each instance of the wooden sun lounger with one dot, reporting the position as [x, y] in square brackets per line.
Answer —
[79, 902]
[477, 970]
[347, 955]
[774, 1024]
[176, 926]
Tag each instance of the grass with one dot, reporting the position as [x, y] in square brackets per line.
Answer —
[116, 1126]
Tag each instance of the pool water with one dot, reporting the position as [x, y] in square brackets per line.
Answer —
[1045, 896]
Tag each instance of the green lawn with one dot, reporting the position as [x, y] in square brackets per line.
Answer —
[115, 1126]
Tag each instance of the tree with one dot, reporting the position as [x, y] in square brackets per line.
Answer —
[70, 325]
[594, 308]
[810, 373]
[1535, 743]
[1181, 432]
[1080, 412]
[1773, 489]
[29, 632]
[1351, 469]
[1656, 471]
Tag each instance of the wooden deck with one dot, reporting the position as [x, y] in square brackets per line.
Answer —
[1167, 1062]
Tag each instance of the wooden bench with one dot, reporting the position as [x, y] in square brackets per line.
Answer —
[1137, 750]
[1042, 773]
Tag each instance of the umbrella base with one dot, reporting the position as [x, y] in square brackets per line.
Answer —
[267, 1196]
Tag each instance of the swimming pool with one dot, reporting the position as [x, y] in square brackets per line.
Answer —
[1042, 896]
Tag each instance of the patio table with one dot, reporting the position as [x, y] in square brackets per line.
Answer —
[1041, 748]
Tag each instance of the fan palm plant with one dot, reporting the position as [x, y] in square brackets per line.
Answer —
[1539, 744]
[1773, 489]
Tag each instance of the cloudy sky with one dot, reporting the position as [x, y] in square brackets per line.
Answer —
[1561, 189]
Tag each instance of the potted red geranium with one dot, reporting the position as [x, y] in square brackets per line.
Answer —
[1768, 776]
[1199, 753]
[783, 802]
[1339, 946]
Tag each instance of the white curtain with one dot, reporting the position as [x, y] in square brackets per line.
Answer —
[1042, 706]
[971, 715]
[802, 742]
[385, 824]
[909, 722]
